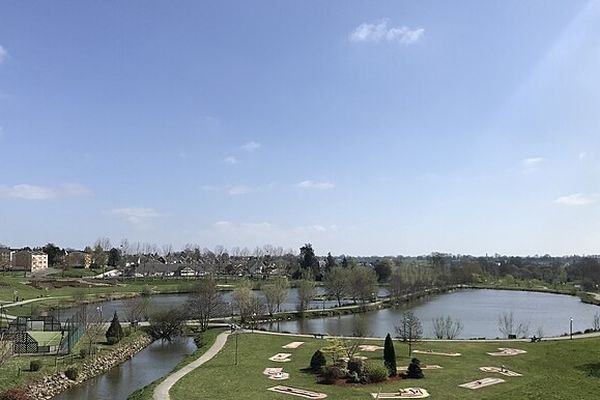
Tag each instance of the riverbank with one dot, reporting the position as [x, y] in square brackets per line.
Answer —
[50, 379]
[207, 340]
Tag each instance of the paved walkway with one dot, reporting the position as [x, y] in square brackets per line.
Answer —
[162, 391]
[23, 302]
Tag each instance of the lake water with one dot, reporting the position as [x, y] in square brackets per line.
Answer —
[153, 362]
[478, 309]
[165, 301]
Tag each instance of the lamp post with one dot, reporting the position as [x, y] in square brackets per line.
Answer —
[571, 328]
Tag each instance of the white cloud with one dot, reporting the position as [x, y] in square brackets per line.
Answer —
[3, 54]
[231, 160]
[136, 215]
[233, 190]
[251, 146]
[532, 162]
[310, 184]
[578, 199]
[33, 192]
[376, 32]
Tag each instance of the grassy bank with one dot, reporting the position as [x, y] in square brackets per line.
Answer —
[561, 370]
[208, 338]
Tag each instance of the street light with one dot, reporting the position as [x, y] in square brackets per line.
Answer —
[571, 329]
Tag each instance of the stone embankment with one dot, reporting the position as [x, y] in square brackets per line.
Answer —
[51, 385]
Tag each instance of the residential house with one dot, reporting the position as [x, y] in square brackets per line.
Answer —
[189, 271]
[33, 261]
[79, 259]
[6, 257]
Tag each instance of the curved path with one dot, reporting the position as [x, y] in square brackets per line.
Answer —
[162, 390]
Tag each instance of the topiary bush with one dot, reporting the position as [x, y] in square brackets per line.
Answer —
[14, 394]
[317, 361]
[114, 330]
[72, 373]
[375, 373]
[35, 365]
[414, 369]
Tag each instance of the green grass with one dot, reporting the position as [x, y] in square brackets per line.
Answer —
[46, 338]
[560, 370]
[208, 338]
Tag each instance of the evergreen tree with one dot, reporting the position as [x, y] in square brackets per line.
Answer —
[114, 330]
[414, 369]
[389, 355]
[330, 262]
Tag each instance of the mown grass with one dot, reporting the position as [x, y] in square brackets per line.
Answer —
[208, 338]
[560, 370]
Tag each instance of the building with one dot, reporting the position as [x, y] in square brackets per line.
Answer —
[79, 259]
[6, 257]
[33, 261]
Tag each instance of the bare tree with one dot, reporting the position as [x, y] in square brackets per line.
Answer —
[362, 282]
[247, 303]
[596, 321]
[508, 326]
[409, 329]
[446, 327]
[206, 302]
[94, 325]
[397, 284]
[275, 294]
[166, 324]
[136, 309]
[336, 284]
[6, 349]
[306, 291]
[360, 326]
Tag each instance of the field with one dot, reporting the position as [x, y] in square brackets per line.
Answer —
[560, 370]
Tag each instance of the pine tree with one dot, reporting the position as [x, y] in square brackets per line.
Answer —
[389, 355]
[114, 330]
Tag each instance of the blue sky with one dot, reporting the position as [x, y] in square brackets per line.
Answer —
[390, 127]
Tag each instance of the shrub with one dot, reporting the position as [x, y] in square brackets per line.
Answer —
[114, 330]
[72, 373]
[82, 353]
[376, 373]
[127, 332]
[356, 366]
[35, 365]
[198, 340]
[317, 361]
[14, 394]
[329, 374]
[414, 369]
[111, 340]
[353, 377]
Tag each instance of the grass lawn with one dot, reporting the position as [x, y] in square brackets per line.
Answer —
[208, 338]
[560, 370]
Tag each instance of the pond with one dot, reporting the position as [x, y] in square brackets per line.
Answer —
[477, 309]
[153, 362]
[165, 301]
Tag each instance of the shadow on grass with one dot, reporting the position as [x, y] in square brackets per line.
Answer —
[592, 369]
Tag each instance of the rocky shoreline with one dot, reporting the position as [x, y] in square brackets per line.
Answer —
[51, 385]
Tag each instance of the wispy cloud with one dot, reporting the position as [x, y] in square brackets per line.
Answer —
[251, 146]
[532, 164]
[136, 215]
[310, 184]
[380, 31]
[231, 160]
[3, 54]
[578, 199]
[33, 192]
[233, 190]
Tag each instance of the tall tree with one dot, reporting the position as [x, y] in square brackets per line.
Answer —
[389, 355]
[206, 302]
[114, 256]
[336, 283]
[309, 261]
[55, 253]
[275, 294]
[362, 283]
[330, 263]
[306, 291]
[383, 268]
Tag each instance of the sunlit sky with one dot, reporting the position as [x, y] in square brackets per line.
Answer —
[389, 127]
